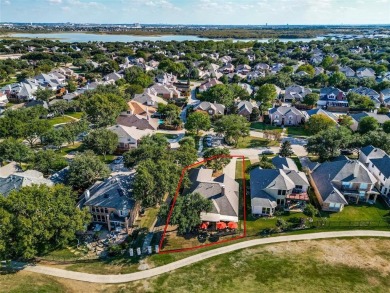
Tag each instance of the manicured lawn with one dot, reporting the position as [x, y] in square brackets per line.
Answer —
[360, 212]
[297, 131]
[263, 126]
[76, 115]
[108, 159]
[167, 135]
[254, 142]
[59, 119]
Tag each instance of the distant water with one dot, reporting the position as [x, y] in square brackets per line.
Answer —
[84, 37]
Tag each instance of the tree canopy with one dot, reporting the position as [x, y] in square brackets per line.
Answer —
[233, 127]
[38, 219]
[102, 141]
[319, 122]
[197, 121]
[217, 158]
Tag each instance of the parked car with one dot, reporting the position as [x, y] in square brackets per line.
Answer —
[346, 152]
[268, 152]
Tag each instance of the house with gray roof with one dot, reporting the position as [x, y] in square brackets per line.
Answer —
[211, 108]
[17, 180]
[372, 94]
[272, 188]
[323, 112]
[365, 72]
[348, 71]
[378, 163]
[332, 97]
[380, 118]
[284, 163]
[337, 182]
[245, 108]
[222, 191]
[149, 98]
[295, 92]
[286, 115]
[111, 202]
[138, 121]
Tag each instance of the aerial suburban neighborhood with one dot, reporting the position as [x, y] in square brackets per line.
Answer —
[121, 158]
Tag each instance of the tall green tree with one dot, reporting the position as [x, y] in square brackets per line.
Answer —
[186, 212]
[367, 124]
[266, 96]
[311, 99]
[44, 94]
[219, 93]
[103, 109]
[319, 122]
[48, 161]
[39, 219]
[217, 158]
[85, 169]
[286, 149]
[197, 121]
[233, 127]
[386, 126]
[102, 141]
[14, 150]
[337, 78]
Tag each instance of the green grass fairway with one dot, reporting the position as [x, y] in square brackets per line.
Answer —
[255, 142]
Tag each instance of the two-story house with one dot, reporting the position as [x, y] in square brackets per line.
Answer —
[128, 137]
[378, 163]
[332, 97]
[111, 202]
[286, 115]
[337, 182]
[272, 188]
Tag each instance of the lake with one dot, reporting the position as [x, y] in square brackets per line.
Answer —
[84, 37]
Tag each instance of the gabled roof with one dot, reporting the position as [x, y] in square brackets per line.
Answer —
[383, 165]
[372, 152]
[204, 106]
[138, 121]
[223, 191]
[339, 171]
[284, 110]
[284, 163]
[322, 111]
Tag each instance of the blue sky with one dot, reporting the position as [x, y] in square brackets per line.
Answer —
[198, 11]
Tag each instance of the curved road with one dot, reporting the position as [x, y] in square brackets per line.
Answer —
[112, 279]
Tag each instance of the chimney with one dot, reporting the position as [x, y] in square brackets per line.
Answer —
[223, 189]
[87, 194]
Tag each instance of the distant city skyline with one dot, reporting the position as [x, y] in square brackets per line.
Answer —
[208, 12]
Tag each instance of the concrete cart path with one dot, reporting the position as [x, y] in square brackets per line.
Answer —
[112, 279]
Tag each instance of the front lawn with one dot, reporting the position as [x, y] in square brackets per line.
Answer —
[263, 126]
[255, 142]
[77, 146]
[297, 131]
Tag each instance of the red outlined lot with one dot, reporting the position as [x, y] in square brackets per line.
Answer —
[183, 172]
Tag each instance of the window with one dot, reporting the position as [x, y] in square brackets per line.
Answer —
[363, 185]
[281, 192]
[298, 187]
[346, 184]
[106, 210]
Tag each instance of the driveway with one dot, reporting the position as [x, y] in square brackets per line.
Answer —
[297, 145]
[114, 279]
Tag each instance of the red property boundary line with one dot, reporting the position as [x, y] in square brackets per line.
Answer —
[185, 169]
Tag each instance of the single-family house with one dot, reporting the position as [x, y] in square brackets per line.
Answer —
[211, 108]
[286, 115]
[385, 96]
[332, 97]
[140, 122]
[112, 77]
[245, 108]
[272, 188]
[296, 92]
[17, 180]
[365, 72]
[243, 69]
[222, 191]
[378, 163]
[165, 91]
[284, 163]
[166, 78]
[208, 84]
[372, 94]
[323, 112]
[339, 181]
[128, 137]
[381, 118]
[226, 69]
[348, 71]
[111, 202]
[149, 98]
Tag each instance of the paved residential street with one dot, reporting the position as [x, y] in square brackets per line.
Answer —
[114, 279]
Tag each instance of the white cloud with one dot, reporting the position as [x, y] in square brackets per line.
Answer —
[54, 1]
[6, 2]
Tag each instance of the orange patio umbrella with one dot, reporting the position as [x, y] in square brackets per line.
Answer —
[221, 225]
[204, 225]
[232, 225]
